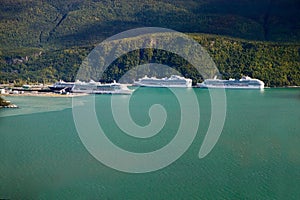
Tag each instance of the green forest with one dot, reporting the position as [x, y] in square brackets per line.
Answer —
[45, 41]
[277, 64]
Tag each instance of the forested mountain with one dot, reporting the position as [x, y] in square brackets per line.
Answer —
[75, 22]
[47, 40]
[277, 64]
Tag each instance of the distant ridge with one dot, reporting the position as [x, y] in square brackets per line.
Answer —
[68, 23]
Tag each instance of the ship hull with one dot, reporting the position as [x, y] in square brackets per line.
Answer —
[174, 81]
[229, 87]
[243, 83]
[125, 92]
[161, 85]
[67, 89]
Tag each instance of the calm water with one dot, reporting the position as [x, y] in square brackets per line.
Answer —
[256, 157]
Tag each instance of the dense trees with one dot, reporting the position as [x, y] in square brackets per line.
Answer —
[59, 23]
[277, 64]
[47, 41]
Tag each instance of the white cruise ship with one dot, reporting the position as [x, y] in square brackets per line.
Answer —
[93, 87]
[173, 81]
[245, 83]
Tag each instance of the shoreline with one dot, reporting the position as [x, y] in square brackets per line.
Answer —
[70, 95]
[46, 95]
[293, 86]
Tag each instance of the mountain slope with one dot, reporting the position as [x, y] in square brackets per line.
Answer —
[54, 23]
[277, 64]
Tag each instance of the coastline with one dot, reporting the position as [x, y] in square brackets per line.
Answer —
[50, 94]
[293, 86]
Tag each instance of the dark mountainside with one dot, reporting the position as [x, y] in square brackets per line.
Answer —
[72, 22]
[46, 40]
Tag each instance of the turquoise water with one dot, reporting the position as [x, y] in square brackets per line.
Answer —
[256, 157]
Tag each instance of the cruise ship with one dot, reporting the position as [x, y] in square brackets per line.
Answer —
[173, 81]
[245, 83]
[61, 85]
[93, 87]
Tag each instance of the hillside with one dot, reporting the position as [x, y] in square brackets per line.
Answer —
[44, 41]
[56, 24]
[277, 64]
